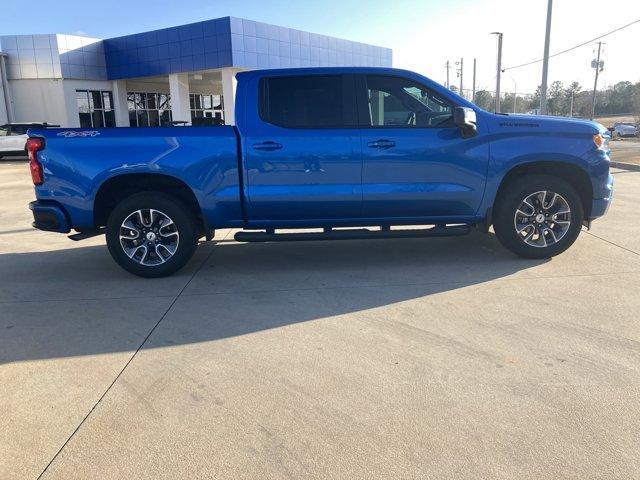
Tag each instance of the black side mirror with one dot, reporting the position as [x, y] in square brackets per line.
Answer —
[465, 118]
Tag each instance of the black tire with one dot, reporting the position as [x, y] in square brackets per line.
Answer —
[183, 223]
[511, 199]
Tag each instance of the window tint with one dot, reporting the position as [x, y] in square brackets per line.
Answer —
[399, 102]
[19, 129]
[314, 101]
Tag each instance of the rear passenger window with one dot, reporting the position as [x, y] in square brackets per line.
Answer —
[18, 130]
[314, 101]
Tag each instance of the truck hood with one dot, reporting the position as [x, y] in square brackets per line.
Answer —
[543, 123]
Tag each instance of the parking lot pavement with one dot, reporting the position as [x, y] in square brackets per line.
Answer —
[626, 151]
[438, 358]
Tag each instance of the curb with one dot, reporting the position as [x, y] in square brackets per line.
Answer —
[626, 166]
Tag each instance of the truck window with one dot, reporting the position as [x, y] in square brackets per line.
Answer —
[398, 102]
[4, 131]
[19, 129]
[313, 101]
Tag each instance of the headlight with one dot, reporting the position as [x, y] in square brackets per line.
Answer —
[601, 141]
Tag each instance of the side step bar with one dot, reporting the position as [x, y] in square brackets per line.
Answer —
[352, 234]
[87, 234]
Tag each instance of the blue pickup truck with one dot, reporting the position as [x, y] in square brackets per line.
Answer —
[323, 149]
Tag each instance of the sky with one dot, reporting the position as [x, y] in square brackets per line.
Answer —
[423, 34]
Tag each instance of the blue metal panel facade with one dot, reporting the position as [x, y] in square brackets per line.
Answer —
[232, 42]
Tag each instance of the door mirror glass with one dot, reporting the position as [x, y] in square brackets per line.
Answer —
[465, 118]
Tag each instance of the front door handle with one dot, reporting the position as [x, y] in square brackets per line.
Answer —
[267, 146]
[381, 144]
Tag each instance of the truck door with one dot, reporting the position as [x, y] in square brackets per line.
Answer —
[415, 161]
[302, 150]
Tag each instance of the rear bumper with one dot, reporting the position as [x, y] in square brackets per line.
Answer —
[50, 217]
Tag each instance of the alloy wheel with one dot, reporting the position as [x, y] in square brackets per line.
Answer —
[149, 237]
[542, 219]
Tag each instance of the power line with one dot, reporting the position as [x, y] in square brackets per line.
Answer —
[576, 46]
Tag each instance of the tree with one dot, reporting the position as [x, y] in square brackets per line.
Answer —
[484, 99]
[533, 101]
[572, 93]
[556, 98]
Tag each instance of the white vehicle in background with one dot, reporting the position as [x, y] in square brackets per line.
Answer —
[624, 130]
[13, 137]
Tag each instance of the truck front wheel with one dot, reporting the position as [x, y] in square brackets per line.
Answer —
[538, 216]
[151, 234]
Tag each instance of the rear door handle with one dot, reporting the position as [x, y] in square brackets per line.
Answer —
[267, 146]
[382, 144]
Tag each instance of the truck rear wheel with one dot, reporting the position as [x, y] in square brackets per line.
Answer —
[151, 234]
[538, 216]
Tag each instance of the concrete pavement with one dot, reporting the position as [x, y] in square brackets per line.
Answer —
[439, 358]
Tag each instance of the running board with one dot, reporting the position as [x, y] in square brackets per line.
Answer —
[352, 234]
[88, 234]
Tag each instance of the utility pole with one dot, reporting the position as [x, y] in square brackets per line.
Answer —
[447, 67]
[473, 90]
[460, 73]
[545, 61]
[598, 66]
[498, 70]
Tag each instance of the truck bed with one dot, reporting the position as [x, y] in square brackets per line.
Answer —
[78, 161]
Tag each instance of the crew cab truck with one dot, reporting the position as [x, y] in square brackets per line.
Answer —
[323, 148]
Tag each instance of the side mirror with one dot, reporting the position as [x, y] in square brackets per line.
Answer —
[465, 118]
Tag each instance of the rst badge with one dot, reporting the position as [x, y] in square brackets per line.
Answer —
[78, 133]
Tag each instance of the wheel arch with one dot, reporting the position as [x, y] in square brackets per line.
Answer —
[573, 174]
[116, 188]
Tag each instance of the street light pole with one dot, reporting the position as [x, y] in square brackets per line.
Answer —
[595, 83]
[473, 90]
[498, 70]
[571, 105]
[447, 67]
[545, 61]
[461, 73]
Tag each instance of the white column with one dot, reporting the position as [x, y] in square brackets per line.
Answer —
[4, 116]
[229, 94]
[120, 103]
[179, 91]
[6, 102]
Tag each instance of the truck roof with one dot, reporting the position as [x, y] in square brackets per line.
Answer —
[325, 70]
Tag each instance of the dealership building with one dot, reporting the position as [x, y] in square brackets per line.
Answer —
[178, 74]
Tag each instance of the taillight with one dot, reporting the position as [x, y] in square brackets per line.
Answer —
[35, 144]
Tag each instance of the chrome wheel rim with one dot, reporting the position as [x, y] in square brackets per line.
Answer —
[542, 219]
[149, 237]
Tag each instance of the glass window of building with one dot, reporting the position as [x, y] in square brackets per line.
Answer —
[95, 108]
[149, 109]
[206, 109]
